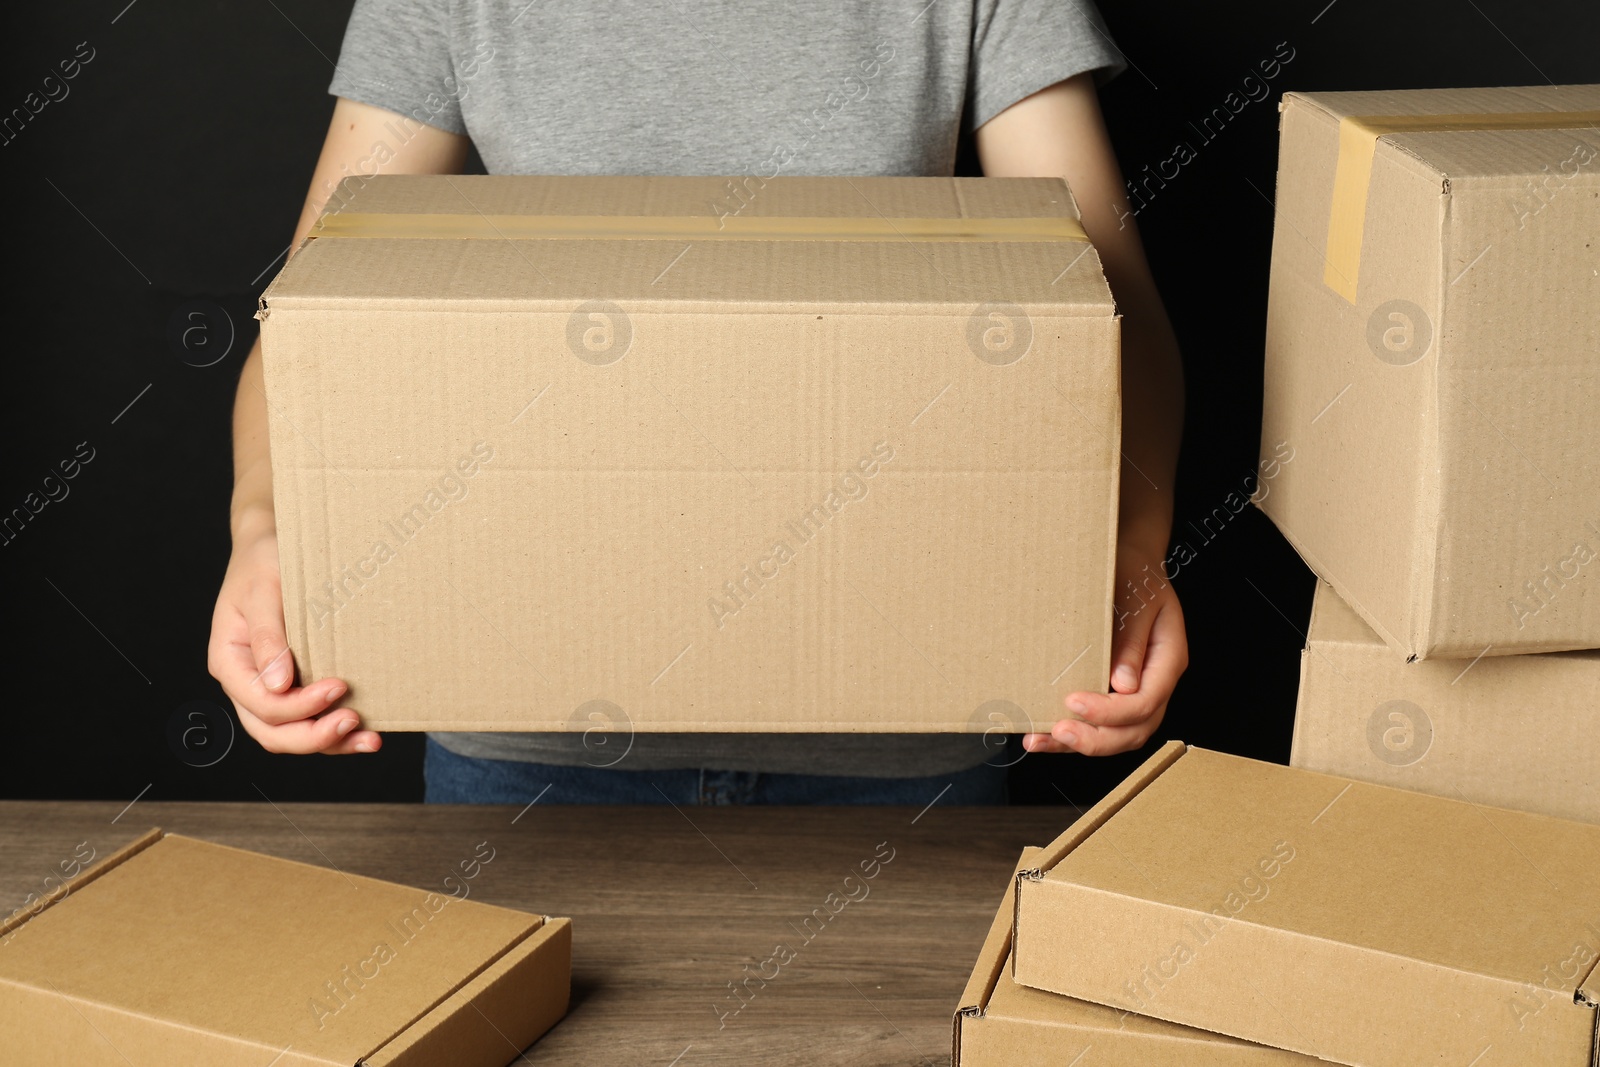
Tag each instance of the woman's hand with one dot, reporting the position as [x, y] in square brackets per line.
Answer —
[1059, 132]
[1149, 652]
[250, 656]
[248, 653]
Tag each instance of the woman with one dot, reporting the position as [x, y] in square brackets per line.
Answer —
[804, 87]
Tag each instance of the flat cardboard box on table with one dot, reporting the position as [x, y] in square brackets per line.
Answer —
[560, 453]
[183, 953]
[1356, 923]
[1433, 362]
[1512, 731]
[1003, 1024]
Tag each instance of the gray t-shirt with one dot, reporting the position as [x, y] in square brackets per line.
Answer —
[852, 87]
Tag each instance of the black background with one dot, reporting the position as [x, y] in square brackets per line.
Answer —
[174, 172]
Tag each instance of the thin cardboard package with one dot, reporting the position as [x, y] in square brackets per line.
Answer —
[184, 953]
[1511, 731]
[1003, 1024]
[596, 453]
[1357, 923]
[1433, 362]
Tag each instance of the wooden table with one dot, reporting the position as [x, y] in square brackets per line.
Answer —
[668, 906]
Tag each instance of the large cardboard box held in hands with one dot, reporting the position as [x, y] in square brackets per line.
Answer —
[1352, 922]
[1003, 1024]
[1433, 362]
[585, 453]
[183, 953]
[1514, 731]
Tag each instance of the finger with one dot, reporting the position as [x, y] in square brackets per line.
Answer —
[334, 733]
[268, 646]
[274, 709]
[1043, 743]
[1166, 658]
[237, 673]
[1128, 649]
[1124, 722]
[1118, 709]
[231, 661]
[1090, 740]
[358, 742]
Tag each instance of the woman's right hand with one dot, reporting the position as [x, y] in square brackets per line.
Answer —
[248, 652]
[250, 656]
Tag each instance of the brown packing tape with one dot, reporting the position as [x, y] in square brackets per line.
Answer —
[697, 227]
[1358, 142]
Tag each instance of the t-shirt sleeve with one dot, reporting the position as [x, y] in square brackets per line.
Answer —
[1022, 46]
[396, 55]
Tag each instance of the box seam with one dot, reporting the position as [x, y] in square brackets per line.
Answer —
[505, 950]
[1424, 602]
[85, 877]
[699, 306]
[1513, 984]
[164, 1023]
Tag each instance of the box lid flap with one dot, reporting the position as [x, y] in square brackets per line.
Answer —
[1475, 132]
[497, 1014]
[1112, 802]
[1483, 891]
[1333, 622]
[891, 261]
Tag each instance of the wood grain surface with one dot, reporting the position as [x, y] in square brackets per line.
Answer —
[668, 908]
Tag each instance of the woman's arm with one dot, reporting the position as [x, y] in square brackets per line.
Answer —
[1059, 132]
[248, 652]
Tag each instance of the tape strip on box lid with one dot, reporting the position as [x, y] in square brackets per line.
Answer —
[1358, 142]
[699, 227]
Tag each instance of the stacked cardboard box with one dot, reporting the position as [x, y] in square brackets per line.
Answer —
[1273, 915]
[1432, 415]
[1002, 1022]
[1433, 366]
[1433, 362]
[1512, 731]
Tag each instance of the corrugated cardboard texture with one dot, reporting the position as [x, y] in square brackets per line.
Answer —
[189, 953]
[1357, 923]
[1514, 731]
[1443, 426]
[501, 506]
[1003, 1024]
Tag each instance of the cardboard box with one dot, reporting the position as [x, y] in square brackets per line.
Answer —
[183, 953]
[1432, 396]
[1003, 1024]
[1356, 923]
[573, 453]
[1515, 731]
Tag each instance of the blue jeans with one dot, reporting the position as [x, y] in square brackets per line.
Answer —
[456, 779]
